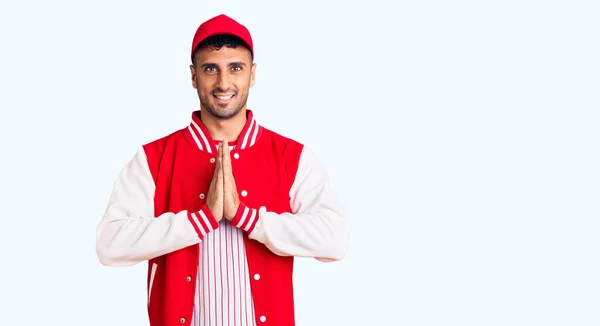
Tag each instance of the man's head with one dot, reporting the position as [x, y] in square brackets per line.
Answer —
[222, 66]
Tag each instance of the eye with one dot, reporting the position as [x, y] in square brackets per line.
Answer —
[210, 69]
[237, 67]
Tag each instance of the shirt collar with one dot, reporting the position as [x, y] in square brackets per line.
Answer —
[199, 135]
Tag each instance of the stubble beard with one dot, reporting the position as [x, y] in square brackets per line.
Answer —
[222, 112]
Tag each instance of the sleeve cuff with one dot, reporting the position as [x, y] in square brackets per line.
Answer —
[203, 221]
[245, 218]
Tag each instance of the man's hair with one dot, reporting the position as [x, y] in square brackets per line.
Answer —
[218, 41]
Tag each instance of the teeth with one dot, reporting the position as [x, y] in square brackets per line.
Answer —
[225, 97]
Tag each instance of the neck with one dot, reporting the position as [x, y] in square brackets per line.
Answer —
[220, 129]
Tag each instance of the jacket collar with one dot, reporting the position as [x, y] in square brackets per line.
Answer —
[199, 135]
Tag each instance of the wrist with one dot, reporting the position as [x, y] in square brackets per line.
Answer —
[245, 218]
[203, 221]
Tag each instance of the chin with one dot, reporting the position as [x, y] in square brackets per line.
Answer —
[223, 112]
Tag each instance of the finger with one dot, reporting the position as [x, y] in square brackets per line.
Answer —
[220, 175]
[218, 164]
[225, 151]
[220, 155]
[226, 157]
[224, 154]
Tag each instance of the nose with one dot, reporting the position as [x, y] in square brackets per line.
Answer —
[223, 81]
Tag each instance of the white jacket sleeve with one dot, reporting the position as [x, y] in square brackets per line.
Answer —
[129, 232]
[317, 226]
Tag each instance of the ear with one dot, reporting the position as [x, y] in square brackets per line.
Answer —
[193, 72]
[252, 74]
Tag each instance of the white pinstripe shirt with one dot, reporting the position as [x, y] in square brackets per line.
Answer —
[223, 296]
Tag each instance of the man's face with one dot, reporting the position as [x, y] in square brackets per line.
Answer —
[223, 78]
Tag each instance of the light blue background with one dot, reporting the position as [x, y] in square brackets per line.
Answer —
[461, 137]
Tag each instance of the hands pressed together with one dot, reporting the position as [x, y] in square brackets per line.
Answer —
[222, 198]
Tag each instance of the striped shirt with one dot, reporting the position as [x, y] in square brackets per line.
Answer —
[223, 296]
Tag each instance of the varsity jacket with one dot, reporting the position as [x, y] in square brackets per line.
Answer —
[157, 213]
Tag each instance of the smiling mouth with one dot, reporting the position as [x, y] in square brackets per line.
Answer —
[224, 97]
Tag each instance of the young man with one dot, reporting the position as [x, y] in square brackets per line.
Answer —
[220, 208]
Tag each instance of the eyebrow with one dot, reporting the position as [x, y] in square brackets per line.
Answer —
[214, 65]
[237, 63]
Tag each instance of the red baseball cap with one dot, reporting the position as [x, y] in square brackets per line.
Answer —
[221, 24]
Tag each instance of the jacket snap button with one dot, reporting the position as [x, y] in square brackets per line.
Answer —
[257, 277]
[201, 196]
[189, 278]
[182, 320]
[263, 318]
[212, 160]
[244, 193]
[236, 156]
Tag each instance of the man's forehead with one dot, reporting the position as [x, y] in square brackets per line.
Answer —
[224, 55]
